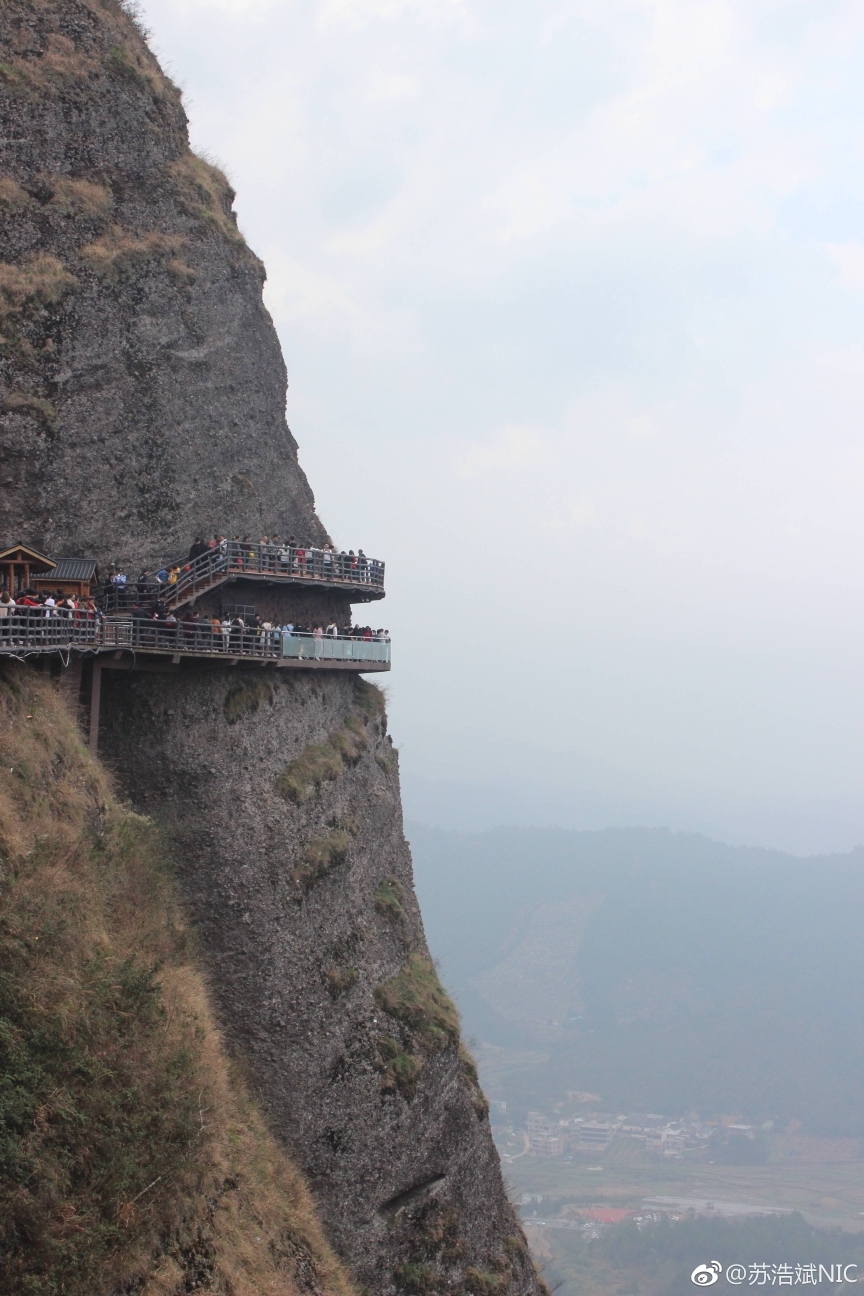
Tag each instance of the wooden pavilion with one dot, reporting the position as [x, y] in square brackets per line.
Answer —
[20, 565]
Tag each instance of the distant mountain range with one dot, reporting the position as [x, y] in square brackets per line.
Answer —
[662, 971]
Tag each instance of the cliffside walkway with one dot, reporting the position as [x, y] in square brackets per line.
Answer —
[127, 644]
[25, 634]
[361, 577]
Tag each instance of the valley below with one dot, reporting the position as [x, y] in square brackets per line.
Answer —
[660, 1028]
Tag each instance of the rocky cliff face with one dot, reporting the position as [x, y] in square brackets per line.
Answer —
[281, 790]
[142, 387]
[143, 400]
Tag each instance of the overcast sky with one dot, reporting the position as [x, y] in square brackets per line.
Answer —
[572, 300]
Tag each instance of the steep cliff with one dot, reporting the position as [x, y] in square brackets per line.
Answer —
[142, 387]
[143, 397]
[281, 791]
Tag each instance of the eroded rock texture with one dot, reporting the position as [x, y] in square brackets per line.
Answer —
[142, 387]
[282, 790]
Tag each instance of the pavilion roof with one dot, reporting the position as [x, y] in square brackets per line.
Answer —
[21, 553]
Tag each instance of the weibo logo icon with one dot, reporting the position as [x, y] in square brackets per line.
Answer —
[706, 1274]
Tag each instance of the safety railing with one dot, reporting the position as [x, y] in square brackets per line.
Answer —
[233, 560]
[26, 630]
[335, 648]
[23, 633]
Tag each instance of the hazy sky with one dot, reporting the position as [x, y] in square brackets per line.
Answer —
[572, 300]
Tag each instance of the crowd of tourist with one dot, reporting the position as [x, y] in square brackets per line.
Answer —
[290, 556]
[198, 632]
[30, 602]
[267, 556]
[43, 615]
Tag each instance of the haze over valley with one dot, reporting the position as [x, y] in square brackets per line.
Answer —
[666, 1029]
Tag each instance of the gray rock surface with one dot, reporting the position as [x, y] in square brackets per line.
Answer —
[299, 951]
[142, 387]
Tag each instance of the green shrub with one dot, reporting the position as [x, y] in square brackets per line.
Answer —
[417, 999]
[388, 899]
[400, 1071]
[246, 698]
[324, 762]
[415, 1277]
[319, 857]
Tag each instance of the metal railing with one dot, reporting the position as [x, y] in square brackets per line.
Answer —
[23, 633]
[232, 560]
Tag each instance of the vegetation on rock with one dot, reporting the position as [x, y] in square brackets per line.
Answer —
[120, 252]
[37, 407]
[417, 999]
[420, 1004]
[338, 980]
[388, 898]
[63, 68]
[468, 1068]
[43, 281]
[323, 762]
[246, 698]
[206, 195]
[436, 1258]
[319, 857]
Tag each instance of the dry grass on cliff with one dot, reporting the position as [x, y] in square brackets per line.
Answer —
[417, 999]
[130, 1152]
[206, 194]
[43, 281]
[120, 252]
[12, 195]
[25, 292]
[319, 857]
[37, 407]
[114, 44]
[76, 197]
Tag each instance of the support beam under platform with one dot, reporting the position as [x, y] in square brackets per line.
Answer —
[95, 698]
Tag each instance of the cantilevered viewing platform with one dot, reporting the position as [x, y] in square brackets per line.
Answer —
[53, 611]
[278, 565]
